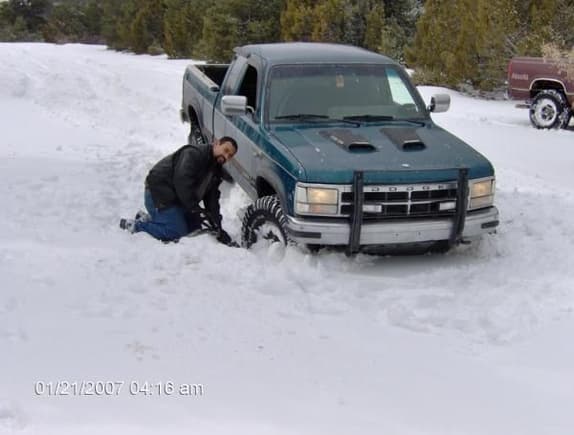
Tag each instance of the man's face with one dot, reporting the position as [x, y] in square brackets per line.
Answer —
[223, 152]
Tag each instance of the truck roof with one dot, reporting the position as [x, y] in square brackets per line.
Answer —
[529, 59]
[311, 52]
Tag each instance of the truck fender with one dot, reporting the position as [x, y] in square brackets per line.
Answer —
[192, 116]
[268, 183]
[555, 84]
[194, 119]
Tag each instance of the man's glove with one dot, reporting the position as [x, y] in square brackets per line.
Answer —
[214, 227]
[205, 217]
[223, 237]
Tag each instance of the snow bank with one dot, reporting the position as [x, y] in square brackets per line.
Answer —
[472, 342]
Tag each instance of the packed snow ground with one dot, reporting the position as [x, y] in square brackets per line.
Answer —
[478, 341]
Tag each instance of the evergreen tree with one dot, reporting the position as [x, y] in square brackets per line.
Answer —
[116, 22]
[431, 48]
[146, 30]
[461, 61]
[564, 22]
[5, 23]
[261, 20]
[354, 22]
[393, 40]
[220, 33]
[229, 23]
[464, 41]
[33, 12]
[366, 23]
[329, 21]
[20, 31]
[297, 20]
[64, 24]
[23, 20]
[183, 23]
[92, 17]
[375, 21]
[498, 29]
[541, 15]
[564, 59]
[74, 21]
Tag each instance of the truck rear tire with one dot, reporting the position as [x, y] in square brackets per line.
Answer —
[264, 220]
[549, 109]
[195, 134]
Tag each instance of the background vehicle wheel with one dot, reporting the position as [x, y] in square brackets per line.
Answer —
[264, 220]
[549, 110]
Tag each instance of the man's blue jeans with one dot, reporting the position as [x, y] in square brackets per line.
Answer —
[167, 224]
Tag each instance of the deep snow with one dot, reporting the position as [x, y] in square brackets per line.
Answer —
[477, 341]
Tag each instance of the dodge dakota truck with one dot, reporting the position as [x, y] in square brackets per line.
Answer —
[337, 147]
[546, 90]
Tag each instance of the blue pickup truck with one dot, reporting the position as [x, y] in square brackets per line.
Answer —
[337, 147]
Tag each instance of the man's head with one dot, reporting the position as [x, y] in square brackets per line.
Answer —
[224, 149]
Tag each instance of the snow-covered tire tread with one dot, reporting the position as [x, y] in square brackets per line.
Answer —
[264, 209]
[552, 103]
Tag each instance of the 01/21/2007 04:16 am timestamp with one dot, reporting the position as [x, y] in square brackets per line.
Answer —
[116, 388]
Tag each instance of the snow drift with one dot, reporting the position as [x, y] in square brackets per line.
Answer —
[473, 342]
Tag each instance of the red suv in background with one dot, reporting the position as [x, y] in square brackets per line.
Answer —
[548, 92]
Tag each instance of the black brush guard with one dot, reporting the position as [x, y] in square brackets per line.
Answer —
[356, 218]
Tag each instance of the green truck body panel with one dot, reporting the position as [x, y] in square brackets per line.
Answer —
[394, 143]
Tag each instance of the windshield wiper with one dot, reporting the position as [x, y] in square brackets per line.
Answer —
[314, 117]
[377, 118]
[414, 121]
[369, 118]
[301, 116]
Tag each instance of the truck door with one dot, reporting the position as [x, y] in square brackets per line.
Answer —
[245, 129]
[236, 71]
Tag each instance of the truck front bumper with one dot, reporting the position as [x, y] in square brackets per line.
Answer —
[331, 232]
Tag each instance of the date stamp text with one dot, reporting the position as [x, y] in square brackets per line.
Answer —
[86, 388]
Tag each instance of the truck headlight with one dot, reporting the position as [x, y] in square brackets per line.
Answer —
[481, 193]
[316, 200]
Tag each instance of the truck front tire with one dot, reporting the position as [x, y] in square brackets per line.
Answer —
[549, 109]
[264, 220]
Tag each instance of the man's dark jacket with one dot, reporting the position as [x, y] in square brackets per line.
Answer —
[186, 177]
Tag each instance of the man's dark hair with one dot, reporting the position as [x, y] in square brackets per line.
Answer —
[230, 140]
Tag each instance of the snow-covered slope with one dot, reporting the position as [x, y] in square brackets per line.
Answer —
[477, 341]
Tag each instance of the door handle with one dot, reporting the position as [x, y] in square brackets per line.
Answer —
[257, 153]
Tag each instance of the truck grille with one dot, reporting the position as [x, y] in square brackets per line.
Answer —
[403, 201]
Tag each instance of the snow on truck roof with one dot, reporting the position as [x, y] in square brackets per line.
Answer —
[311, 52]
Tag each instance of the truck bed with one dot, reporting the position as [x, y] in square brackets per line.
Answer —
[526, 75]
[216, 72]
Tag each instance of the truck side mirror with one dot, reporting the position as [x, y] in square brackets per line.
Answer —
[439, 103]
[233, 105]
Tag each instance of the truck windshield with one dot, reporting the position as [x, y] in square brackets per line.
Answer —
[364, 93]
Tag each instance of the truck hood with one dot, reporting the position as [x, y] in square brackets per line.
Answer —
[396, 153]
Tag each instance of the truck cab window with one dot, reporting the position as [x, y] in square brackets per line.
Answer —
[399, 92]
[248, 86]
[337, 91]
[235, 71]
